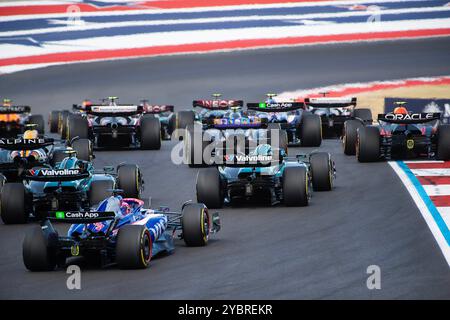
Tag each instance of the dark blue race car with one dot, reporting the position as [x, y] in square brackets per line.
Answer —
[266, 173]
[120, 230]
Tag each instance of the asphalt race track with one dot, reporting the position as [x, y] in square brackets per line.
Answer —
[321, 251]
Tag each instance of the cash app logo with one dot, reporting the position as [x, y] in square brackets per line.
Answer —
[60, 215]
[262, 105]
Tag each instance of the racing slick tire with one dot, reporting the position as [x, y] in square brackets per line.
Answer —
[13, 209]
[184, 118]
[99, 191]
[321, 171]
[150, 133]
[195, 224]
[282, 136]
[2, 183]
[443, 143]
[172, 125]
[350, 136]
[134, 247]
[53, 120]
[83, 147]
[191, 149]
[209, 188]
[368, 144]
[38, 120]
[364, 114]
[37, 254]
[77, 126]
[62, 123]
[129, 179]
[295, 186]
[310, 130]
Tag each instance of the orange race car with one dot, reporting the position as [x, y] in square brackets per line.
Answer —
[14, 118]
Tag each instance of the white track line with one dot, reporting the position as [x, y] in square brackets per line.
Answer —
[423, 208]
[445, 213]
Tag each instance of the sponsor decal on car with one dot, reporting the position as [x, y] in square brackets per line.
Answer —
[248, 158]
[54, 172]
[13, 141]
[412, 116]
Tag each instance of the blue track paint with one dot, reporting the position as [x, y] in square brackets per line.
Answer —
[426, 199]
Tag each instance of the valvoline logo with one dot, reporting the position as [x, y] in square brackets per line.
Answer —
[54, 173]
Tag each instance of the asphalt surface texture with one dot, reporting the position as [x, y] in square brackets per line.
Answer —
[317, 252]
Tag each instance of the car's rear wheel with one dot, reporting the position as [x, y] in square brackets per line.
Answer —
[150, 133]
[195, 224]
[194, 147]
[310, 130]
[84, 148]
[77, 126]
[295, 186]
[134, 247]
[129, 179]
[37, 253]
[38, 121]
[350, 136]
[209, 188]
[62, 123]
[184, 118]
[321, 171]
[13, 209]
[53, 120]
[100, 190]
[368, 144]
[364, 114]
[443, 143]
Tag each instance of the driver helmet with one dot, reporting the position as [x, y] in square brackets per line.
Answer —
[30, 134]
[400, 110]
[125, 207]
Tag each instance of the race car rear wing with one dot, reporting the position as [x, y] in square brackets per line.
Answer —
[328, 102]
[56, 175]
[15, 109]
[225, 124]
[25, 144]
[409, 118]
[157, 109]
[114, 111]
[81, 217]
[217, 104]
[275, 107]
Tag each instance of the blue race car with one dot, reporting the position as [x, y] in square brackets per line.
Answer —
[266, 173]
[120, 230]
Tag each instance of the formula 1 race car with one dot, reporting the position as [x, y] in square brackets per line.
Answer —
[234, 126]
[266, 173]
[120, 230]
[32, 150]
[113, 125]
[302, 127]
[399, 135]
[335, 111]
[72, 184]
[13, 119]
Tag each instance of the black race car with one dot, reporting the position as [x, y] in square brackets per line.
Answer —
[335, 111]
[115, 125]
[398, 136]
